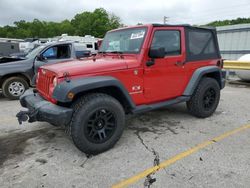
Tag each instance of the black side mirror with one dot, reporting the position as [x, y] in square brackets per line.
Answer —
[40, 57]
[157, 53]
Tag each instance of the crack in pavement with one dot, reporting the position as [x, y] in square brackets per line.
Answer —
[85, 161]
[137, 133]
[149, 180]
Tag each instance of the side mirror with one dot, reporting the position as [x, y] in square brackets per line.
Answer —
[157, 53]
[40, 57]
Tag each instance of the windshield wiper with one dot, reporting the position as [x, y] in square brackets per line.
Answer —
[116, 52]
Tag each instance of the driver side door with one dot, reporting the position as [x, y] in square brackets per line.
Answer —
[166, 77]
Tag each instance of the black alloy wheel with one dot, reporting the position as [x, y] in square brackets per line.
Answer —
[97, 123]
[205, 98]
[209, 98]
[101, 125]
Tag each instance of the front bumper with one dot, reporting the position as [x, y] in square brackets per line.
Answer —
[40, 109]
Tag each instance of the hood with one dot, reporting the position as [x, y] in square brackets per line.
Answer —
[15, 66]
[90, 66]
[4, 60]
[14, 62]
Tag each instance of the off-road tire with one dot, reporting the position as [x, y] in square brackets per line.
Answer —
[196, 105]
[21, 83]
[84, 108]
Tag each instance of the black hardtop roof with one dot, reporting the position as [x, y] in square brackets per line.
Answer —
[184, 25]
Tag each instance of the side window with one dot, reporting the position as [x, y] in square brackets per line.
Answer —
[50, 53]
[96, 46]
[89, 46]
[57, 52]
[169, 40]
[201, 44]
[63, 52]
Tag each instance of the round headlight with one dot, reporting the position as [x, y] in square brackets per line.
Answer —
[55, 81]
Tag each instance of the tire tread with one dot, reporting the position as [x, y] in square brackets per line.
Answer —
[77, 107]
[193, 104]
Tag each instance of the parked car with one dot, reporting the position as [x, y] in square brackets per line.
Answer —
[23, 53]
[138, 69]
[16, 73]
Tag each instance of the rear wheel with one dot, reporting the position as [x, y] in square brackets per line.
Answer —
[205, 99]
[97, 123]
[14, 87]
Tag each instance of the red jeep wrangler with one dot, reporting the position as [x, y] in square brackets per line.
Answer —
[137, 69]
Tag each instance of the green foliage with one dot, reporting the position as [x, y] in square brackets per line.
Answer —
[95, 23]
[229, 22]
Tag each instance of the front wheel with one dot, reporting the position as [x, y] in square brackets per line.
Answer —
[97, 123]
[205, 99]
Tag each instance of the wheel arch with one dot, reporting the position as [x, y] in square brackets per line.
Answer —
[216, 75]
[100, 84]
[211, 72]
[5, 77]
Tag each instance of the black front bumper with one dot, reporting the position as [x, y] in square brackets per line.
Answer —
[40, 109]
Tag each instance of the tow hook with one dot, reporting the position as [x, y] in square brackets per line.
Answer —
[23, 116]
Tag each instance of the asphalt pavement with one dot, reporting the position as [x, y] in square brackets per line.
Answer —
[41, 155]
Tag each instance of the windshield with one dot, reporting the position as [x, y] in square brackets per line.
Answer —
[34, 52]
[124, 41]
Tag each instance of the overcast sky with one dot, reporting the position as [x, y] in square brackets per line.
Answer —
[131, 12]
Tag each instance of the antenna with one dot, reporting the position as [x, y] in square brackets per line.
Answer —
[165, 19]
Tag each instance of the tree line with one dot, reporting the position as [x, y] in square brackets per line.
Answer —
[229, 22]
[95, 23]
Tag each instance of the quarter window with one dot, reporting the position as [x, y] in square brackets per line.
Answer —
[201, 44]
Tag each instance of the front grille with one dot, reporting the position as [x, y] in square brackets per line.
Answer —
[43, 84]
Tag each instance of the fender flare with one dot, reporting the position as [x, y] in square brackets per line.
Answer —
[197, 76]
[24, 75]
[77, 86]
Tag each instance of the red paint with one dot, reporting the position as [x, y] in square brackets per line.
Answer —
[164, 80]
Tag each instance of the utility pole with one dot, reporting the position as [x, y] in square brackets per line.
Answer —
[165, 19]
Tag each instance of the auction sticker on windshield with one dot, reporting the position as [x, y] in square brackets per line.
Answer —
[137, 35]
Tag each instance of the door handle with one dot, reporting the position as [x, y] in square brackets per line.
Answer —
[179, 63]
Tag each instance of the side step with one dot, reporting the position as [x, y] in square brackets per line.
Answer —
[149, 107]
